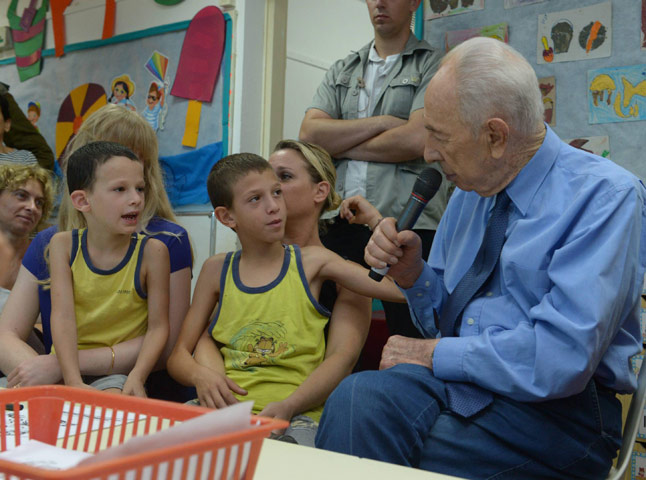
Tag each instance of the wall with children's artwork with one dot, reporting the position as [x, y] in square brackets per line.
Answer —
[138, 67]
[590, 57]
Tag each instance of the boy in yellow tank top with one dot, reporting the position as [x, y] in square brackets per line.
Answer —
[267, 334]
[109, 284]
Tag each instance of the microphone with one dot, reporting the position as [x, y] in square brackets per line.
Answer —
[426, 186]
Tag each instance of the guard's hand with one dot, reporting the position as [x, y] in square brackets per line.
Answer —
[398, 349]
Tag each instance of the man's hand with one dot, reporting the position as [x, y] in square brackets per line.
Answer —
[39, 370]
[398, 349]
[214, 389]
[402, 251]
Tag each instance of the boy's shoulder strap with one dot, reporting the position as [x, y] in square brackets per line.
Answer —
[75, 243]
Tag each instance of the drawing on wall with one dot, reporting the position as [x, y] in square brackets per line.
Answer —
[599, 145]
[79, 104]
[638, 466]
[617, 94]
[643, 42]
[33, 113]
[520, 3]
[577, 34]
[443, 8]
[548, 92]
[156, 108]
[455, 37]
[122, 89]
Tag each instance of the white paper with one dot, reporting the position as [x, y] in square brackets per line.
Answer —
[44, 455]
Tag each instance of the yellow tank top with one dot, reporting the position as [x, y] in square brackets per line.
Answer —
[271, 337]
[110, 305]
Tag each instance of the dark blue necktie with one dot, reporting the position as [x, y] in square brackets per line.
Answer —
[467, 399]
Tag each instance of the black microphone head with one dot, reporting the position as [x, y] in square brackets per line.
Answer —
[427, 184]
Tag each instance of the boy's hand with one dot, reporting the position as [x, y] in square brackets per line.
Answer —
[278, 410]
[357, 209]
[134, 387]
[214, 389]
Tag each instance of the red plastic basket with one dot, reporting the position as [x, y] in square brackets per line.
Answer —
[41, 410]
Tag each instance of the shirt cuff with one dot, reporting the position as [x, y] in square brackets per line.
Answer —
[420, 302]
[448, 358]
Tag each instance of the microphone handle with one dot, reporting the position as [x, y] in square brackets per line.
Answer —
[406, 220]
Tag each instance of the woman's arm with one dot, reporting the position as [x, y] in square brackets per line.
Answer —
[349, 326]
[63, 319]
[17, 321]
[180, 300]
[156, 270]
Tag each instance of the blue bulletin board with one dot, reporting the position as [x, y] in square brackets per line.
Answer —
[574, 96]
[102, 61]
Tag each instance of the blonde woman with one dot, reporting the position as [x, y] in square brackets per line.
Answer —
[30, 297]
[26, 199]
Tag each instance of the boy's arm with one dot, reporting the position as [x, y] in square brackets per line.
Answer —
[211, 382]
[323, 264]
[181, 364]
[63, 319]
[156, 269]
[349, 326]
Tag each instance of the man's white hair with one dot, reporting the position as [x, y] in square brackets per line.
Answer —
[493, 80]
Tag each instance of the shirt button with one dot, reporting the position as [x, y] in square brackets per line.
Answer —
[489, 294]
[427, 283]
[471, 321]
[355, 92]
[419, 294]
[405, 80]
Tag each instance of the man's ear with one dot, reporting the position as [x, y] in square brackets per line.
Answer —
[7, 125]
[80, 200]
[497, 136]
[225, 217]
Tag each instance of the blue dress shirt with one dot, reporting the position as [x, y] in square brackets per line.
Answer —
[563, 302]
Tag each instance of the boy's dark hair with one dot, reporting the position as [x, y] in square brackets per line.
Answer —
[227, 171]
[4, 107]
[83, 163]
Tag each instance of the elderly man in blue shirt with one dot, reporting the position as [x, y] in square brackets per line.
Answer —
[529, 302]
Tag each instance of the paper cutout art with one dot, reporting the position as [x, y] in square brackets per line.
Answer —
[122, 89]
[28, 42]
[6, 42]
[638, 462]
[33, 113]
[79, 104]
[598, 145]
[643, 42]
[617, 94]
[577, 34]
[455, 37]
[184, 174]
[201, 56]
[548, 92]
[58, 23]
[156, 106]
[108, 20]
[442, 8]
[199, 65]
[520, 3]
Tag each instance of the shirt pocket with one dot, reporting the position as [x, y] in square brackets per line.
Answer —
[398, 97]
[348, 95]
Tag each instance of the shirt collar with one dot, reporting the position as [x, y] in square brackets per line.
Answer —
[373, 56]
[522, 189]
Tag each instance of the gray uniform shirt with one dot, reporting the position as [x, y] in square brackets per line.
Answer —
[388, 185]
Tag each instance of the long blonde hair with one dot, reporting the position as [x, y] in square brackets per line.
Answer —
[117, 124]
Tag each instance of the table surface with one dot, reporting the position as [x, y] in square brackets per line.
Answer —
[286, 461]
